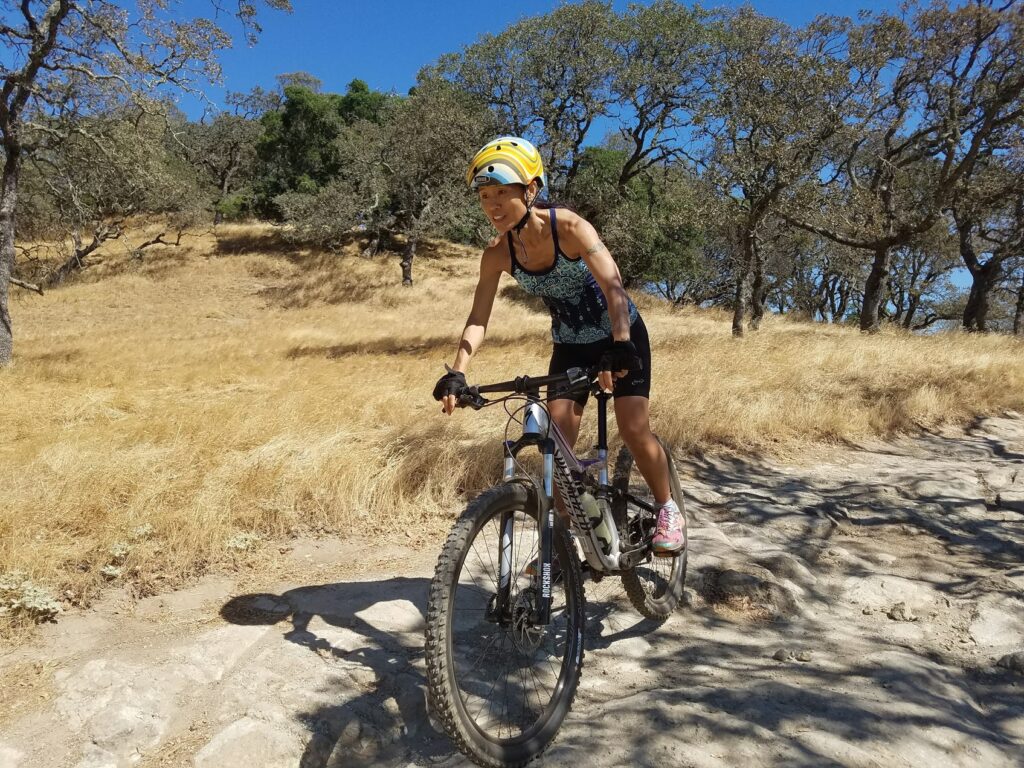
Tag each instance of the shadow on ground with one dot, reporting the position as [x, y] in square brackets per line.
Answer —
[868, 691]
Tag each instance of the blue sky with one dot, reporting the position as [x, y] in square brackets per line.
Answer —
[386, 42]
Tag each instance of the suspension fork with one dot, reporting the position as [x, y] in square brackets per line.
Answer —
[546, 525]
[505, 555]
[547, 529]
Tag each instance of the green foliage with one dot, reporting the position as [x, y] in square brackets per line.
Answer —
[400, 174]
[235, 207]
[361, 103]
[546, 77]
[299, 149]
[649, 224]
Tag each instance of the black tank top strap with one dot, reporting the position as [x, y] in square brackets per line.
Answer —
[512, 253]
[554, 232]
[554, 236]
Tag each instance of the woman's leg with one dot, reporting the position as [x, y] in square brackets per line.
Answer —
[633, 417]
[567, 414]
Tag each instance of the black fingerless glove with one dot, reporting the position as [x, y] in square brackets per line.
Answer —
[621, 356]
[452, 383]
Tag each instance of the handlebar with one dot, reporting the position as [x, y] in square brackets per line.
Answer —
[575, 378]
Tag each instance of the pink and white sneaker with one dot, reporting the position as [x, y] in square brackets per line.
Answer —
[670, 536]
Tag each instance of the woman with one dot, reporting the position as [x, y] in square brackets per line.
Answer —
[557, 255]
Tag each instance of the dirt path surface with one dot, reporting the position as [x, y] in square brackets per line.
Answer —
[863, 610]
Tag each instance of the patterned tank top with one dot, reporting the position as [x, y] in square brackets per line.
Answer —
[579, 309]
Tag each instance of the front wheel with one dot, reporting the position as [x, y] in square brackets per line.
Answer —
[501, 685]
[655, 585]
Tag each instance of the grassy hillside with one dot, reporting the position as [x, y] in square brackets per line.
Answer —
[161, 407]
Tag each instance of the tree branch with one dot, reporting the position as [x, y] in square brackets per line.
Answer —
[26, 286]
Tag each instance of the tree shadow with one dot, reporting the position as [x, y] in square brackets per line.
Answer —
[394, 346]
[271, 242]
[381, 716]
[646, 695]
[380, 685]
[723, 691]
[903, 503]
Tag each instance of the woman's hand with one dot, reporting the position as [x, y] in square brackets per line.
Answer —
[618, 360]
[448, 389]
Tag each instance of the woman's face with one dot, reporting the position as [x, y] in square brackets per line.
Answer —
[504, 205]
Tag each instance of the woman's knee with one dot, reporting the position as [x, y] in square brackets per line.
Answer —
[633, 420]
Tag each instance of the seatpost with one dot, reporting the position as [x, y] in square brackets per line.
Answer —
[602, 436]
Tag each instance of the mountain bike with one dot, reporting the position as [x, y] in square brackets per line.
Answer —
[505, 617]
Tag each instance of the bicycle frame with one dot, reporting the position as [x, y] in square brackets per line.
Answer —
[540, 430]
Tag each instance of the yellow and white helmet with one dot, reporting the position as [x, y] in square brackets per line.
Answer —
[506, 160]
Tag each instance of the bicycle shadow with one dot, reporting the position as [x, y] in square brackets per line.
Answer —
[372, 710]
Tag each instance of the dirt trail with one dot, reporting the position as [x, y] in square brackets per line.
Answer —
[849, 612]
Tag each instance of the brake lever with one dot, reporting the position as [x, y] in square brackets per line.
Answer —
[471, 398]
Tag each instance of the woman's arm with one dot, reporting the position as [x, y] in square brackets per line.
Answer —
[483, 302]
[491, 267]
[584, 242]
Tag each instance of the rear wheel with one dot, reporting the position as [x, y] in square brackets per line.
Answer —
[655, 585]
[501, 685]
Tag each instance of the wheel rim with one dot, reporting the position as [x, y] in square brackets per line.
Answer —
[509, 676]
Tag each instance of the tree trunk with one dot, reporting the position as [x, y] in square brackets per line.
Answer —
[845, 291]
[373, 246]
[1018, 315]
[76, 262]
[408, 254]
[984, 278]
[8, 201]
[912, 306]
[873, 291]
[740, 294]
[758, 289]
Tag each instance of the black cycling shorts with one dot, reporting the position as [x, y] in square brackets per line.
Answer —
[633, 384]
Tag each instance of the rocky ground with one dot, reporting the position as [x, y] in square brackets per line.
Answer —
[863, 609]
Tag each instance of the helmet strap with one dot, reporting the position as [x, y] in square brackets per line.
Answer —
[522, 223]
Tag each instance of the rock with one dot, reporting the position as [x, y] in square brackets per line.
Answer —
[900, 612]
[393, 616]
[803, 656]
[704, 495]
[1013, 662]
[949, 489]
[95, 757]
[881, 591]
[1011, 499]
[998, 477]
[786, 566]
[866, 611]
[883, 558]
[121, 708]
[246, 743]
[746, 590]
[10, 757]
[999, 624]
[218, 650]
[783, 654]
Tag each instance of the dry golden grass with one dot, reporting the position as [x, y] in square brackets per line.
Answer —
[239, 385]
